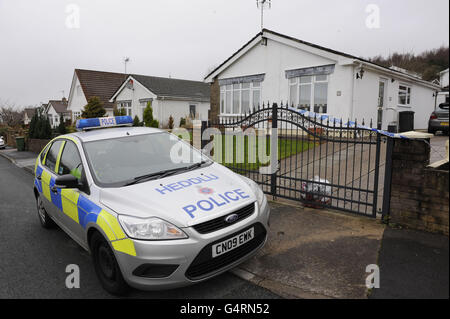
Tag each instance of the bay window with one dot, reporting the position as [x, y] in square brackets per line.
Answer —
[305, 91]
[239, 98]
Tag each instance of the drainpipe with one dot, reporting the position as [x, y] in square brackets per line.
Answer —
[352, 105]
[435, 99]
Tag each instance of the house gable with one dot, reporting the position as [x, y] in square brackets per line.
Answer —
[257, 59]
[340, 58]
[126, 93]
[77, 99]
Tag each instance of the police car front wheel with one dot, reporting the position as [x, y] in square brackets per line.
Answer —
[45, 220]
[106, 266]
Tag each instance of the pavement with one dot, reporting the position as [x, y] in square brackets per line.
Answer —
[25, 159]
[413, 265]
[316, 253]
[309, 254]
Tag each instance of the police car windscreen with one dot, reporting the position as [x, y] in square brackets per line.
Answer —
[116, 162]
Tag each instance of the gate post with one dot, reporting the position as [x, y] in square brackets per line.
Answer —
[377, 173]
[274, 148]
[387, 179]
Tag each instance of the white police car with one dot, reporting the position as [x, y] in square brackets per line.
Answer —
[154, 212]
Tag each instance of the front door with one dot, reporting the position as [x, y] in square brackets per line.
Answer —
[381, 102]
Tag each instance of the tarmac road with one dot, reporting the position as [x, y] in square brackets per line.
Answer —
[33, 260]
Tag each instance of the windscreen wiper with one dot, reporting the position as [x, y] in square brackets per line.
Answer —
[163, 174]
[153, 176]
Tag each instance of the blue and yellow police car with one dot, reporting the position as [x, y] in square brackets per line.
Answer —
[153, 212]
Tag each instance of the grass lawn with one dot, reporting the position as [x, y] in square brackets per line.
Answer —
[235, 153]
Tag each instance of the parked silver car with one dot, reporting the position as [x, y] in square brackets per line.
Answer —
[439, 120]
[2, 143]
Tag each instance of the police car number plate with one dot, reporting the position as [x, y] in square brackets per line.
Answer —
[232, 243]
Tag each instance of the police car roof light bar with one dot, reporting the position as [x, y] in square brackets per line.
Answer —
[103, 122]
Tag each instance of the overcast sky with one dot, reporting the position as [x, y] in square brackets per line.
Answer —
[41, 44]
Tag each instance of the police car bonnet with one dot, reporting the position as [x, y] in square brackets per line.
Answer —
[184, 199]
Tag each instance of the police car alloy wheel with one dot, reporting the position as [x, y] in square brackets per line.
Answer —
[106, 267]
[45, 220]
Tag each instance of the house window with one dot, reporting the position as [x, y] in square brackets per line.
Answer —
[79, 90]
[305, 91]
[404, 95]
[76, 115]
[240, 98]
[192, 112]
[144, 104]
[126, 105]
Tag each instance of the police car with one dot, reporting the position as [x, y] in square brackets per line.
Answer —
[154, 212]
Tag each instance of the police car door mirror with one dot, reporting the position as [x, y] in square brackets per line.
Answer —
[67, 181]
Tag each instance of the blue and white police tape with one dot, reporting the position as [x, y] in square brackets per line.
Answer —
[84, 124]
[349, 124]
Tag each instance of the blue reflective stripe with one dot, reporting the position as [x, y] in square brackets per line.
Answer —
[87, 211]
[38, 182]
[38, 185]
[56, 198]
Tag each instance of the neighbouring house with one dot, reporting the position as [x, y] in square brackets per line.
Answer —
[278, 68]
[55, 109]
[28, 115]
[89, 83]
[169, 97]
[443, 96]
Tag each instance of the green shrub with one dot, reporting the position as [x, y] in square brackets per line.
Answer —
[61, 129]
[170, 124]
[40, 126]
[93, 109]
[149, 121]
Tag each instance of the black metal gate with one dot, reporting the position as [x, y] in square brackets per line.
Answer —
[320, 161]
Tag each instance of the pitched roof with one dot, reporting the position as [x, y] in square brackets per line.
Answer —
[58, 105]
[30, 112]
[174, 88]
[267, 31]
[100, 84]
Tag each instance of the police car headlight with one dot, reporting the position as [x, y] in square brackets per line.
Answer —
[150, 228]
[260, 196]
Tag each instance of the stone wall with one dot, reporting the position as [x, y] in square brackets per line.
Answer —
[419, 195]
[215, 102]
[35, 145]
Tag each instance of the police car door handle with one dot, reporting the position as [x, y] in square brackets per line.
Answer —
[54, 189]
[39, 177]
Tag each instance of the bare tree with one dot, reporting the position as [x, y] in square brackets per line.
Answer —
[10, 114]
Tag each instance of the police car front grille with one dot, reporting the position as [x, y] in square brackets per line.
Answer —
[219, 223]
[204, 265]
